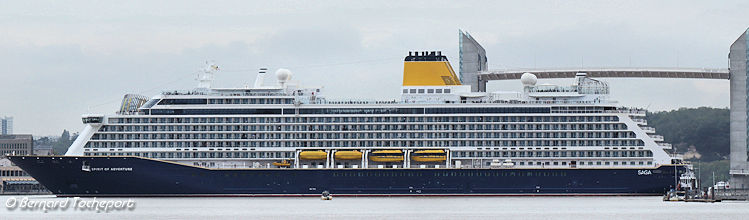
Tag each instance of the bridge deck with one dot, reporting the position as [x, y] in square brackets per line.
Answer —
[690, 73]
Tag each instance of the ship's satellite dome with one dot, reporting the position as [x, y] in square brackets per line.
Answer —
[528, 79]
[283, 74]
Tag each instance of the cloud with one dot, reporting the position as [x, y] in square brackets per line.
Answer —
[64, 59]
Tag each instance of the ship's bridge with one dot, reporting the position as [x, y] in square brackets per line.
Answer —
[92, 118]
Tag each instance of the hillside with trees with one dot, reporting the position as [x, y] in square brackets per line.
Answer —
[702, 134]
[702, 130]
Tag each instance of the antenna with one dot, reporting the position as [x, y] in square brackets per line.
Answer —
[206, 75]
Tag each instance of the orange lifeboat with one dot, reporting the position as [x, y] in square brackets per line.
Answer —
[429, 156]
[313, 155]
[348, 155]
[387, 156]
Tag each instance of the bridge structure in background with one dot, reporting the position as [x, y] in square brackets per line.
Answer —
[619, 72]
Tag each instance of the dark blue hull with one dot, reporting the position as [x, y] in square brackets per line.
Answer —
[135, 176]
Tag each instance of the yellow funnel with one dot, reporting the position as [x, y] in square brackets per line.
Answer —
[428, 69]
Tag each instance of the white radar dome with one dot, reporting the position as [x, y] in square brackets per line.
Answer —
[528, 79]
[283, 75]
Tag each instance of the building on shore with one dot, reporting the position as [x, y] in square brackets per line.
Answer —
[13, 180]
[42, 150]
[16, 144]
[6, 125]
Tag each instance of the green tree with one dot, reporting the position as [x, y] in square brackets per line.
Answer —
[60, 146]
[704, 129]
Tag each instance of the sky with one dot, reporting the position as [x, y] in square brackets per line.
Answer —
[63, 59]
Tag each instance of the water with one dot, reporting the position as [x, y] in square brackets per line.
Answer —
[397, 208]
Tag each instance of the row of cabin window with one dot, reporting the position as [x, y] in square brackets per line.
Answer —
[443, 143]
[582, 163]
[271, 155]
[624, 153]
[226, 101]
[360, 127]
[365, 119]
[352, 111]
[428, 91]
[378, 135]
[251, 101]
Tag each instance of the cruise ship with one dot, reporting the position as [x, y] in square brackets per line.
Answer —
[439, 138]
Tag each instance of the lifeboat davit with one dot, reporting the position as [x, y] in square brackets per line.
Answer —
[429, 156]
[387, 156]
[313, 155]
[348, 155]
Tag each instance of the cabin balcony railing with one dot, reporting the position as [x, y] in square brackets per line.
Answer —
[194, 92]
[656, 137]
[640, 121]
[666, 146]
[648, 129]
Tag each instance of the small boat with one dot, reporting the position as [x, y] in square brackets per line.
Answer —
[387, 156]
[674, 196]
[326, 195]
[313, 155]
[429, 156]
[348, 155]
[283, 163]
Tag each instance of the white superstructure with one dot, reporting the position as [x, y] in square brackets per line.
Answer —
[544, 126]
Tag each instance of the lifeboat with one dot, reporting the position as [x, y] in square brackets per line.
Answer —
[283, 163]
[429, 156]
[387, 156]
[348, 155]
[313, 155]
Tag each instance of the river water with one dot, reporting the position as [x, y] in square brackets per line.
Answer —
[608, 208]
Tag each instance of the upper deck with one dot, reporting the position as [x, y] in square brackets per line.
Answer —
[586, 95]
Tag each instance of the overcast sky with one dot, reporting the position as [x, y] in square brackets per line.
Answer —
[64, 59]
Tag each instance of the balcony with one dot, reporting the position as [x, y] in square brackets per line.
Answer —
[656, 137]
[640, 121]
[648, 130]
[666, 146]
